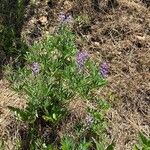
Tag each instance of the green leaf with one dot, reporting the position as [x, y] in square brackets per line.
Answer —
[54, 116]
[144, 143]
[84, 145]
[144, 139]
[47, 118]
[2, 145]
[136, 148]
[23, 115]
[111, 146]
[67, 143]
[19, 112]
[99, 146]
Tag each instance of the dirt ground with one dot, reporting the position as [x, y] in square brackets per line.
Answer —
[118, 36]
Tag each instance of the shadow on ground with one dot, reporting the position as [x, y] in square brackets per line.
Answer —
[12, 47]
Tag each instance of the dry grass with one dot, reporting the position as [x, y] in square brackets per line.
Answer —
[9, 126]
[121, 37]
[125, 40]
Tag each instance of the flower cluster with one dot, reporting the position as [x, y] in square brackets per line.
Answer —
[104, 69]
[81, 58]
[35, 68]
[89, 120]
[65, 18]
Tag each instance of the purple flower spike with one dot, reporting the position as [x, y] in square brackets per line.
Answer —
[35, 68]
[69, 19]
[62, 17]
[81, 58]
[104, 69]
[89, 120]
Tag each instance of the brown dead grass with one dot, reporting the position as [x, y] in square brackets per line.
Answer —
[120, 37]
[9, 126]
[125, 38]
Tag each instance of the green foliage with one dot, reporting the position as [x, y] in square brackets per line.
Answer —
[98, 114]
[2, 147]
[12, 16]
[50, 79]
[144, 143]
[83, 19]
[90, 132]
[100, 146]
[58, 80]
[69, 143]
[84, 145]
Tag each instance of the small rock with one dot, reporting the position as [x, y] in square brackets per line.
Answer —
[43, 20]
[140, 37]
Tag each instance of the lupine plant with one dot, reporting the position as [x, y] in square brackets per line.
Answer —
[55, 72]
[104, 69]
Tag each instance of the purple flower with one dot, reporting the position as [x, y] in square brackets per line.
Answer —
[89, 120]
[61, 17]
[81, 58]
[35, 68]
[104, 69]
[65, 18]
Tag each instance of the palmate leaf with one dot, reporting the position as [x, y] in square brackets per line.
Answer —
[22, 114]
[67, 143]
[54, 118]
[18, 111]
